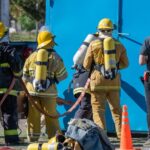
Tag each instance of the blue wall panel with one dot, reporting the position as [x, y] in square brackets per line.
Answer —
[72, 20]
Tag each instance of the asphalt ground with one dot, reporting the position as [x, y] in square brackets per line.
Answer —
[137, 140]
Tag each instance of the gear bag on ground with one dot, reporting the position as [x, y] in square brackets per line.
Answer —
[88, 135]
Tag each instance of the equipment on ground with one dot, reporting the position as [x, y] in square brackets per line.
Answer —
[45, 146]
[88, 135]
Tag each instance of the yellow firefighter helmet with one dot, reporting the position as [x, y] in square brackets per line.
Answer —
[45, 39]
[105, 24]
[3, 29]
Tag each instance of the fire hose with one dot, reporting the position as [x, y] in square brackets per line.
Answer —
[59, 115]
[8, 90]
[59, 100]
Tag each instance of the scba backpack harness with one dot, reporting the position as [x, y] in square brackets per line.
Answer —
[41, 82]
[109, 68]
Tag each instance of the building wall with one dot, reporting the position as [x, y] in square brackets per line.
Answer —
[4, 11]
[0, 10]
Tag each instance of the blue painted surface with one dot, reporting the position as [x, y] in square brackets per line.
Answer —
[72, 20]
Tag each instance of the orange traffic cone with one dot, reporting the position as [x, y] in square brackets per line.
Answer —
[126, 139]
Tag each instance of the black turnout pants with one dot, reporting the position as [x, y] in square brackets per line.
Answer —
[10, 118]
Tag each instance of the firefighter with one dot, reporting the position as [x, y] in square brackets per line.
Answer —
[79, 80]
[10, 67]
[42, 70]
[144, 59]
[107, 56]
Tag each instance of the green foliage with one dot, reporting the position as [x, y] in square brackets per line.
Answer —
[27, 13]
[26, 22]
[33, 8]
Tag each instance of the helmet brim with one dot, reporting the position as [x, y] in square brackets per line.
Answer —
[105, 28]
[44, 44]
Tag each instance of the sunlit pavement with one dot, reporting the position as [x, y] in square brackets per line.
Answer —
[138, 140]
[137, 143]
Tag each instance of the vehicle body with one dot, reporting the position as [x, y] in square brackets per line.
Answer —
[72, 20]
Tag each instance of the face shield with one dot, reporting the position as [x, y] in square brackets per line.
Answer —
[103, 33]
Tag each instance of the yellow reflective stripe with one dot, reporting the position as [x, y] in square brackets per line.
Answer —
[10, 132]
[61, 72]
[18, 74]
[62, 77]
[81, 89]
[12, 92]
[34, 134]
[56, 146]
[50, 74]
[43, 94]
[5, 65]
[105, 88]
[31, 68]
[25, 70]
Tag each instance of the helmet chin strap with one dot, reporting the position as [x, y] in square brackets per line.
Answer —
[105, 35]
